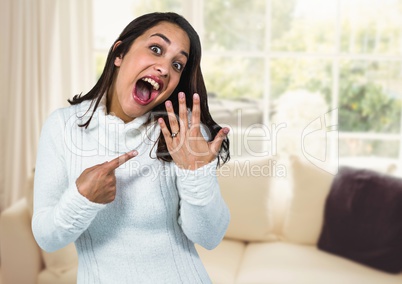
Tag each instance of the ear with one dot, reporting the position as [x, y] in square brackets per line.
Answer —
[117, 60]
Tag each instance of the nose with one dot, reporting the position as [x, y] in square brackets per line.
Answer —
[162, 66]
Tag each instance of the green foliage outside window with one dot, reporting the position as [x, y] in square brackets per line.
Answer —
[369, 97]
[365, 102]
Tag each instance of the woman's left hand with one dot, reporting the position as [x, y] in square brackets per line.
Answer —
[186, 145]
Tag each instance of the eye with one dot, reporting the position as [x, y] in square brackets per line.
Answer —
[178, 66]
[156, 49]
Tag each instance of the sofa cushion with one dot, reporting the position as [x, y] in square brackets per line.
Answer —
[245, 187]
[310, 187]
[61, 261]
[20, 255]
[363, 219]
[287, 263]
[223, 262]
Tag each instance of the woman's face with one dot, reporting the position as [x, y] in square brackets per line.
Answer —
[150, 71]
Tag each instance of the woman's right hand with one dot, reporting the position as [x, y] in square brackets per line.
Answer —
[98, 183]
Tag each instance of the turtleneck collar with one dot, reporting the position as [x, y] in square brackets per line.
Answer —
[116, 135]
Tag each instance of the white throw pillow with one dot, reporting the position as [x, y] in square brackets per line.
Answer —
[310, 188]
[245, 186]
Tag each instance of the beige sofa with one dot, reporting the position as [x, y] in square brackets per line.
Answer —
[277, 214]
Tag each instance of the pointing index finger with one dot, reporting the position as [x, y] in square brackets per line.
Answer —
[120, 160]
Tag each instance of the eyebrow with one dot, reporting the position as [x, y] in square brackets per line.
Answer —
[169, 42]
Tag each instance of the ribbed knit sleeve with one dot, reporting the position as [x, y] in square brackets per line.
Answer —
[204, 216]
[61, 213]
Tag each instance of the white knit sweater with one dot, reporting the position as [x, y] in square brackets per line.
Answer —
[147, 234]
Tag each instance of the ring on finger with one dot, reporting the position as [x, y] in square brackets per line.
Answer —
[174, 134]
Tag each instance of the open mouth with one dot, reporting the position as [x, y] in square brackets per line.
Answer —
[146, 90]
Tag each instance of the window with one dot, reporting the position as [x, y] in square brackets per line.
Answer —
[268, 62]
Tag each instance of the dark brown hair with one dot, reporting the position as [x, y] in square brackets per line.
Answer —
[191, 80]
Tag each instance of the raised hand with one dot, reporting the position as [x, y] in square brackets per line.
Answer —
[98, 183]
[186, 145]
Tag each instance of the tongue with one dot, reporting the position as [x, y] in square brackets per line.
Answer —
[143, 91]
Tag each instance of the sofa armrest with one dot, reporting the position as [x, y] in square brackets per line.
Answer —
[21, 259]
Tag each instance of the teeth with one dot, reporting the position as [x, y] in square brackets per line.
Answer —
[153, 83]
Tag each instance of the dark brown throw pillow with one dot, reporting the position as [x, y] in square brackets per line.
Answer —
[363, 219]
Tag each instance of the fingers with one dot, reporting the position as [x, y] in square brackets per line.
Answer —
[164, 129]
[183, 111]
[215, 145]
[117, 162]
[196, 116]
[174, 125]
[189, 149]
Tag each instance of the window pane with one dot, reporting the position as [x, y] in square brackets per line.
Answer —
[234, 78]
[234, 25]
[303, 25]
[370, 96]
[235, 87]
[371, 26]
[355, 147]
[300, 95]
[308, 75]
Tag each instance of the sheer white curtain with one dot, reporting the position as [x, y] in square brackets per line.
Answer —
[46, 58]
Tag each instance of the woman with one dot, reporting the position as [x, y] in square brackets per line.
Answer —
[125, 172]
